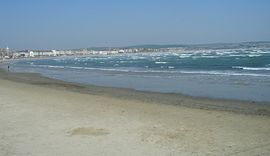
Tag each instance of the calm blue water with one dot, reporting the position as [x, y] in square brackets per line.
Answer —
[230, 74]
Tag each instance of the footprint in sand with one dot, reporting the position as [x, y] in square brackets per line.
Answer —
[89, 131]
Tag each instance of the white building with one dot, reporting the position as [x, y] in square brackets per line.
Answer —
[19, 54]
[41, 53]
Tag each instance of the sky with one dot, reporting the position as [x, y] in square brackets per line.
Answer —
[65, 24]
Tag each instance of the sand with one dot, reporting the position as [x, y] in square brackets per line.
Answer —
[41, 117]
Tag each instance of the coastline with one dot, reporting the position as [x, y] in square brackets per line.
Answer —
[43, 116]
[237, 106]
[231, 84]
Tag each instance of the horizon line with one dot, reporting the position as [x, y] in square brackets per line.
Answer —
[146, 44]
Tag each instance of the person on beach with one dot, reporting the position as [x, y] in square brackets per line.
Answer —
[8, 67]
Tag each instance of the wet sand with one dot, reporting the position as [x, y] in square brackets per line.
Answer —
[42, 116]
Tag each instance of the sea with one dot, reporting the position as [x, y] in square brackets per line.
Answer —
[239, 74]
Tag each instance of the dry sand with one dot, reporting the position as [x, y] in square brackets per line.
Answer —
[44, 117]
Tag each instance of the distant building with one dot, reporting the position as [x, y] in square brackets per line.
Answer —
[121, 51]
[42, 53]
[22, 53]
[6, 53]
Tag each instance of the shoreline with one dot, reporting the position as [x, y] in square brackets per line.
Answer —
[43, 116]
[237, 106]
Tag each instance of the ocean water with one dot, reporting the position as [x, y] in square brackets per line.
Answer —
[242, 74]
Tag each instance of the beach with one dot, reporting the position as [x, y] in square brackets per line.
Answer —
[43, 116]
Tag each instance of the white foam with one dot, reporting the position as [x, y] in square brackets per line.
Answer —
[264, 52]
[47, 66]
[254, 55]
[237, 55]
[161, 62]
[56, 66]
[208, 56]
[225, 73]
[252, 68]
[74, 67]
[185, 55]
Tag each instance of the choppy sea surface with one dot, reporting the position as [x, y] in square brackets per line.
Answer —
[242, 74]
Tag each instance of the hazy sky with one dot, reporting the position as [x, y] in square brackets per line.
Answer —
[54, 24]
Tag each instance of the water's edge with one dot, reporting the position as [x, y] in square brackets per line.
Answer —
[237, 106]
